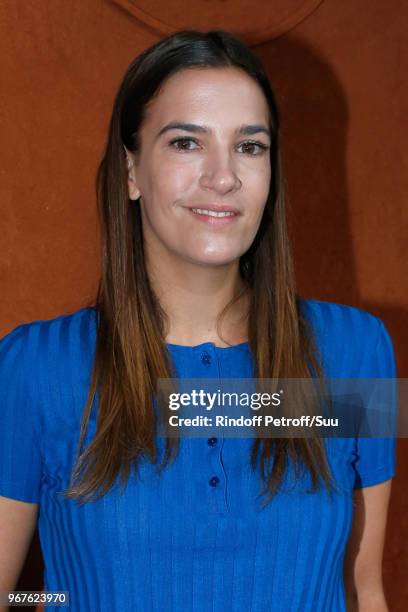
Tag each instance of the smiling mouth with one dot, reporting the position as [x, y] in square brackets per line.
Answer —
[213, 218]
[213, 213]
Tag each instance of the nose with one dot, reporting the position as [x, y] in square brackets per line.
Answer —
[218, 173]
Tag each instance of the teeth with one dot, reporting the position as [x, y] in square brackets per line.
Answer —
[212, 213]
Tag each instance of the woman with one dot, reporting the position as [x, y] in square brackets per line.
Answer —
[139, 522]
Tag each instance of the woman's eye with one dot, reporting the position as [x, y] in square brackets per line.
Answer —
[250, 146]
[185, 143]
[182, 144]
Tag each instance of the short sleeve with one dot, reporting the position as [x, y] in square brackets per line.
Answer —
[20, 456]
[376, 457]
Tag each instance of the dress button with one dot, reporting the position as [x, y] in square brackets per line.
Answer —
[212, 441]
[214, 481]
[206, 358]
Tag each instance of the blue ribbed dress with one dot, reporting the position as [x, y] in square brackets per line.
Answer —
[194, 538]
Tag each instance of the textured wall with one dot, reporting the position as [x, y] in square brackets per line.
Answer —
[341, 85]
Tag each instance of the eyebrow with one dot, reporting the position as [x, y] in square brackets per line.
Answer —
[202, 129]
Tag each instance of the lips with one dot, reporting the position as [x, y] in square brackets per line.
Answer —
[216, 208]
[214, 219]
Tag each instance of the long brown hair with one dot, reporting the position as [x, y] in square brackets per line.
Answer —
[131, 352]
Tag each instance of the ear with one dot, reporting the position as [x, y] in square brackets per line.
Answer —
[134, 193]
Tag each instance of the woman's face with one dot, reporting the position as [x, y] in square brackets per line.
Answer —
[219, 160]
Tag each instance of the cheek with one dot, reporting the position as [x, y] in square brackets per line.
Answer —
[257, 189]
[174, 181]
[262, 180]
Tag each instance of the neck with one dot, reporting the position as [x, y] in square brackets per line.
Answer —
[193, 296]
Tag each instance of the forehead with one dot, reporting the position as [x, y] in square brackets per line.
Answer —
[211, 92]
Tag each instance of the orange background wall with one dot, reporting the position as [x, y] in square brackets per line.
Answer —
[340, 79]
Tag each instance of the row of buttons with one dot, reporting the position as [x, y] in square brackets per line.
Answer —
[206, 359]
[214, 480]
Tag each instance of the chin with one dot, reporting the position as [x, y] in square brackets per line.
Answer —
[215, 259]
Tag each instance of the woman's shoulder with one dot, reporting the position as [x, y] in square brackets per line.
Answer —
[44, 377]
[333, 316]
[352, 341]
[82, 318]
[50, 340]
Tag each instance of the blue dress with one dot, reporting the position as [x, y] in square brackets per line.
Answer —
[194, 538]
